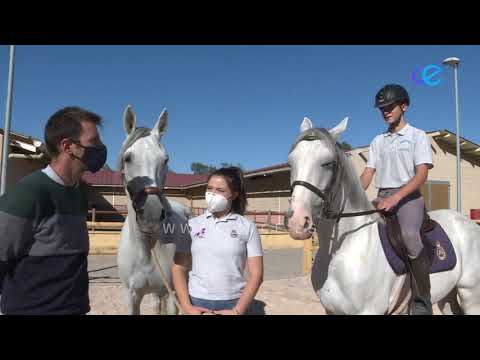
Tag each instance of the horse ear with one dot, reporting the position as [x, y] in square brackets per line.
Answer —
[129, 120]
[306, 124]
[160, 127]
[339, 129]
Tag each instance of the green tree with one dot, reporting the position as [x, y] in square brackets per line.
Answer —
[225, 164]
[345, 146]
[200, 168]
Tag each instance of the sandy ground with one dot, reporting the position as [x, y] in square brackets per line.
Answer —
[285, 290]
[275, 297]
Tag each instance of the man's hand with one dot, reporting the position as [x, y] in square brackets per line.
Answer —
[388, 203]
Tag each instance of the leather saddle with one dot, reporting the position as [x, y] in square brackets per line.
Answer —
[395, 234]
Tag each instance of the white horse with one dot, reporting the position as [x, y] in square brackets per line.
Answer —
[350, 274]
[145, 239]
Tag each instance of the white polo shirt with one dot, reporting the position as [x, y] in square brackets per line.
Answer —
[220, 248]
[394, 156]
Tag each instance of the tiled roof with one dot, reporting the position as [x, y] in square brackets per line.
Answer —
[114, 178]
[108, 177]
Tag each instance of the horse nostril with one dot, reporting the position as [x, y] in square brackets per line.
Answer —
[307, 222]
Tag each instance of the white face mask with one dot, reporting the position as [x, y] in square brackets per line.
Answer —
[216, 202]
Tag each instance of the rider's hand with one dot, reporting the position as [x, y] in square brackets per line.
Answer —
[388, 203]
[197, 310]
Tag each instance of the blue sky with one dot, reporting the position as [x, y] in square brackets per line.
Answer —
[240, 104]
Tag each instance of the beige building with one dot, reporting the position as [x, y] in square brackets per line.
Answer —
[26, 154]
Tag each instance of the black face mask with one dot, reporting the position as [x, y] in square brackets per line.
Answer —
[94, 157]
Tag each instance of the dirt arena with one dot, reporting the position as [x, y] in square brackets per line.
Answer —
[285, 290]
[276, 297]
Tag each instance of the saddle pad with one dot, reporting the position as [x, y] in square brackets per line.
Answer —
[436, 241]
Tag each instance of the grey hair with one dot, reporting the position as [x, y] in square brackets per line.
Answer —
[138, 133]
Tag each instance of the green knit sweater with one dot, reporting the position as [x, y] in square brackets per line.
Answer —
[43, 247]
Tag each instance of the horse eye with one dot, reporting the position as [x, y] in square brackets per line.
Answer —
[329, 164]
[128, 158]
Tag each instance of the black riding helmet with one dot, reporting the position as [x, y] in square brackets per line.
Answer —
[390, 94]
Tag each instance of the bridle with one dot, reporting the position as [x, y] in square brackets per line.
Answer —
[148, 190]
[329, 194]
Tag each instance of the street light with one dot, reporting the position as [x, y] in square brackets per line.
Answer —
[8, 115]
[453, 62]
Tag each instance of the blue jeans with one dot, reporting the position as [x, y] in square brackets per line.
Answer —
[214, 305]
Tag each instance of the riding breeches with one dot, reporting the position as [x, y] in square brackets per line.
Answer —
[410, 212]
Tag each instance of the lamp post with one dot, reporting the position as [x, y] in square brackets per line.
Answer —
[8, 115]
[453, 62]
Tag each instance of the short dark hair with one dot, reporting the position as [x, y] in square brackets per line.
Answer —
[66, 123]
[234, 177]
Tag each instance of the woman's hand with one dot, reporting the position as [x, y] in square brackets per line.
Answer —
[197, 310]
[226, 312]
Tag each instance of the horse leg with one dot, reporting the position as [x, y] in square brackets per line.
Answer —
[171, 306]
[468, 288]
[449, 305]
[134, 299]
[160, 304]
[470, 300]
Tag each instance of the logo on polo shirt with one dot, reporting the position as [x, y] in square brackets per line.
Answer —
[234, 234]
[200, 234]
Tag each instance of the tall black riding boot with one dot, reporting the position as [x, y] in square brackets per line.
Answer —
[420, 276]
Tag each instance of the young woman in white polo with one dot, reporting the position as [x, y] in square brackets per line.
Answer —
[223, 245]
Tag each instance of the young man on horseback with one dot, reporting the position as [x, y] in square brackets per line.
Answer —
[401, 158]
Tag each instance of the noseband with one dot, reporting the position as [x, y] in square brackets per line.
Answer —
[153, 190]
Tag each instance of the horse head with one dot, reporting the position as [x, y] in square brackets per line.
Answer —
[315, 167]
[143, 162]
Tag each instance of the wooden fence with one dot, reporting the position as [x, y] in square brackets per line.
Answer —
[270, 220]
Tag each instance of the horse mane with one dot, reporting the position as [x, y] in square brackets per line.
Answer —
[138, 133]
[313, 134]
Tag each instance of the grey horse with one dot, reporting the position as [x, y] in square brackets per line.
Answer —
[154, 225]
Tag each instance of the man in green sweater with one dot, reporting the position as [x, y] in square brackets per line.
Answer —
[43, 232]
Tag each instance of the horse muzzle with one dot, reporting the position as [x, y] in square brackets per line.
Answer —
[148, 205]
[299, 224]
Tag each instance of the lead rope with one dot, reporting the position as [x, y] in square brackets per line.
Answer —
[171, 292]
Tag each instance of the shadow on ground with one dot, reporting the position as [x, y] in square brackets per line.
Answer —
[257, 307]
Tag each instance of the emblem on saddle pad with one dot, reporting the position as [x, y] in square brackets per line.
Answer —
[440, 251]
